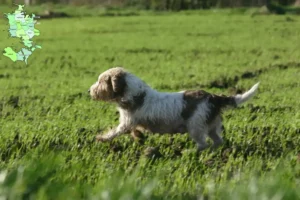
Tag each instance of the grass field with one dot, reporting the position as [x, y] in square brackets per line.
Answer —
[48, 122]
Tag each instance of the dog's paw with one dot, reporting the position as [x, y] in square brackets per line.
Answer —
[101, 138]
[138, 136]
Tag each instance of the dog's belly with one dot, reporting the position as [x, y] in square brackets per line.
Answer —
[160, 126]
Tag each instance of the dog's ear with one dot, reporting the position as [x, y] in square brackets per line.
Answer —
[118, 84]
[108, 83]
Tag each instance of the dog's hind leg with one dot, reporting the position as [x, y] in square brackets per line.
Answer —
[198, 128]
[198, 134]
[215, 129]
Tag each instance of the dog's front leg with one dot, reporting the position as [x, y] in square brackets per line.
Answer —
[120, 129]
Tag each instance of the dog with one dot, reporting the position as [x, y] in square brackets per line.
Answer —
[142, 108]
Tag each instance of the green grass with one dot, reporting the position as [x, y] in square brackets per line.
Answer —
[48, 122]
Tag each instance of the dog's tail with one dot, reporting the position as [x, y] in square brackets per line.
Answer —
[222, 101]
[241, 98]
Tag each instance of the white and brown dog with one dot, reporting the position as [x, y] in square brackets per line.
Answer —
[141, 107]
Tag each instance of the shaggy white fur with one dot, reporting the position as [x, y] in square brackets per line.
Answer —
[143, 108]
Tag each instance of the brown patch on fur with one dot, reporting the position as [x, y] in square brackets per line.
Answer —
[216, 104]
[192, 99]
[138, 100]
[119, 84]
[133, 105]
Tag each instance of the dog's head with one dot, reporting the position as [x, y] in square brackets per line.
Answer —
[111, 85]
[119, 86]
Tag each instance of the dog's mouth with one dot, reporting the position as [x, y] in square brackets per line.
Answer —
[98, 95]
[94, 94]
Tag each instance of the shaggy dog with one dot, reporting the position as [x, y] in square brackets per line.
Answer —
[143, 108]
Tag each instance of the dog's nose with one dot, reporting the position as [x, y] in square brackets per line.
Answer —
[89, 91]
